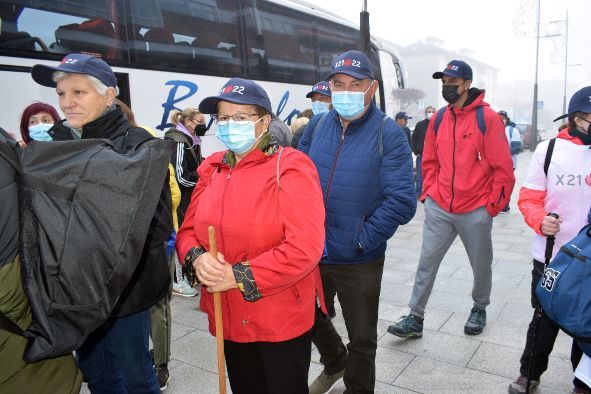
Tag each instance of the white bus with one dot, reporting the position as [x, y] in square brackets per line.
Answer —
[171, 54]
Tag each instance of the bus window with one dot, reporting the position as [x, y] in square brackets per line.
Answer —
[279, 43]
[55, 27]
[333, 39]
[179, 34]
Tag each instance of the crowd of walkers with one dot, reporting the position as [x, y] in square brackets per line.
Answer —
[300, 217]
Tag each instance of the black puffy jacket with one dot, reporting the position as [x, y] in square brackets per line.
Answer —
[151, 279]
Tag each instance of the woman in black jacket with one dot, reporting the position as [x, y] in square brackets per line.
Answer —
[187, 130]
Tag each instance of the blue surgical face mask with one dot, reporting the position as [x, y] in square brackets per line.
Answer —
[39, 132]
[239, 137]
[320, 107]
[348, 104]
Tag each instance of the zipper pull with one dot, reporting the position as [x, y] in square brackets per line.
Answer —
[479, 157]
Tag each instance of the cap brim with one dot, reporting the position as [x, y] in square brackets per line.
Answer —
[43, 74]
[437, 75]
[349, 73]
[561, 117]
[309, 95]
[209, 104]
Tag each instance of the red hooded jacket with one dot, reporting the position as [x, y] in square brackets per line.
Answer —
[464, 169]
[277, 225]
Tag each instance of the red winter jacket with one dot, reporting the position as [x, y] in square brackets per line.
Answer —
[464, 169]
[277, 225]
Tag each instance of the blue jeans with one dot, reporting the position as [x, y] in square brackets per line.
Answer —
[115, 358]
[419, 180]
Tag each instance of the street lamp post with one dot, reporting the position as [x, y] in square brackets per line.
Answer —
[364, 28]
[566, 65]
[534, 115]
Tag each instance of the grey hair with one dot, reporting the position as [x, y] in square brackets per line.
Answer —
[100, 87]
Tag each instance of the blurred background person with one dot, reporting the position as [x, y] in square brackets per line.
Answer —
[417, 142]
[514, 140]
[36, 121]
[402, 120]
[187, 130]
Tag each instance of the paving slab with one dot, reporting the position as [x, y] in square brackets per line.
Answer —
[426, 375]
[504, 361]
[435, 345]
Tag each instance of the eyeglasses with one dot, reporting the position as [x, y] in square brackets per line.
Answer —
[239, 118]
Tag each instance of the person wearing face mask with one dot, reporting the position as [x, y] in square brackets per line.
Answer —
[467, 180]
[36, 121]
[321, 103]
[365, 166]
[561, 186]
[187, 130]
[417, 143]
[265, 204]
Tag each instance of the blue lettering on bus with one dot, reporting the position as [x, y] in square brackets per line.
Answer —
[172, 99]
[282, 103]
[168, 105]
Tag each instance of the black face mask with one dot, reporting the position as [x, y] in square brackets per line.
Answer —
[450, 93]
[200, 130]
[585, 137]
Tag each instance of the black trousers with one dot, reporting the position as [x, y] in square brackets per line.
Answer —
[358, 289]
[269, 367]
[545, 338]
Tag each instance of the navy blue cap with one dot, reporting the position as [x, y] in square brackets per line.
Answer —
[352, 63]
[320, 88]
[503, 113]
[579, 102]
[75, 63]
[455, 69]
[402, 115]
[237, 91]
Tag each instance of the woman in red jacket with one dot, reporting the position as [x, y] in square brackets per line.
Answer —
[265, 203]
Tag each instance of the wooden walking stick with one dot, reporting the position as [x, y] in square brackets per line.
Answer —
[219, 326]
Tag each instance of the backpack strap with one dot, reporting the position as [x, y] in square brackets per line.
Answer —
[9, 325]
[438, 119]
[278, 174]
[381, 137]
[548, 157]
[479, 119]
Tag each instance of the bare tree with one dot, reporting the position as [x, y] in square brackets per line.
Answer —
[407, 97]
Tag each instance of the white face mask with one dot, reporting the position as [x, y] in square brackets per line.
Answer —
[429, 115]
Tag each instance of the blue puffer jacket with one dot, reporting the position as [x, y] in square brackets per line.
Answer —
[366, 197]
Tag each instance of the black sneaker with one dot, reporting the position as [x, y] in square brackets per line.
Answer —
[162, 374]
[476, 321]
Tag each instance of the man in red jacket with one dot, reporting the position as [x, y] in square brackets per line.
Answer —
[467, 179]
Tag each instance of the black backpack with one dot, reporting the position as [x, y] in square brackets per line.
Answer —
[85, 214]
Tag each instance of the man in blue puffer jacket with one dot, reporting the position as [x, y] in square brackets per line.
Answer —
[365, 167]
